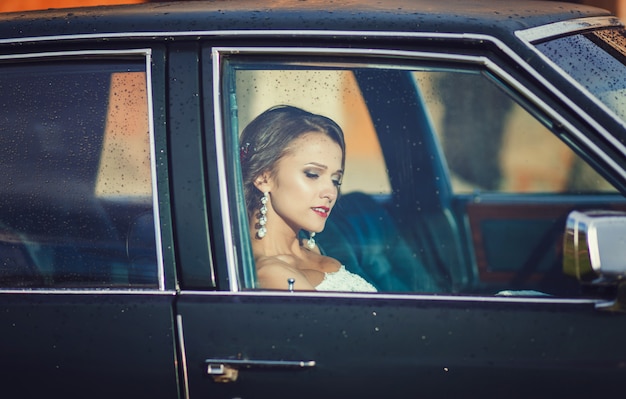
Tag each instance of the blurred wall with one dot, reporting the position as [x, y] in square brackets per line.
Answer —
[24, 5]
[617, 7]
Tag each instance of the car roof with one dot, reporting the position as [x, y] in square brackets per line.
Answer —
[493, 17]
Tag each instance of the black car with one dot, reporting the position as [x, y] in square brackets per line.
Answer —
[483, 197]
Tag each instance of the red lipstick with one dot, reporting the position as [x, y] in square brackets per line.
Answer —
[322, 211]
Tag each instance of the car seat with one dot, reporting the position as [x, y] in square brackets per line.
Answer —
[362, 235]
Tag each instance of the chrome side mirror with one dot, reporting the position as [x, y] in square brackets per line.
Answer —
[594, 251]
[594, 246]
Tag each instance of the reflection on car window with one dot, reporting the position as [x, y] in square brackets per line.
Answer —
[76, 194]
[492, 144]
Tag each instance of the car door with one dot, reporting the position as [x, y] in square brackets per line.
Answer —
[428, 332]
[85, 310]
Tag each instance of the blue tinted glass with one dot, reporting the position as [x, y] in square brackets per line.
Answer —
[67, 216]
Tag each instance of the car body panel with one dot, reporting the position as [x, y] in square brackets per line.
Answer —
[119, 343]
[370, 346]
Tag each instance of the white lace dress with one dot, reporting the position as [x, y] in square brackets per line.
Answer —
[343, 280]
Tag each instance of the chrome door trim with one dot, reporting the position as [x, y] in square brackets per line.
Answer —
[87, 291]
[183, 355]
[403, 296]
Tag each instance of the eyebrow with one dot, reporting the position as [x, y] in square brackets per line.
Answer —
[322, 166]
[319, 165]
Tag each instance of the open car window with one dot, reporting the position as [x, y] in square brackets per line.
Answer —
[424, 141]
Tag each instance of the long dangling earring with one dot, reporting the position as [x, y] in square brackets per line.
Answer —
[263, 218]
[311, 241]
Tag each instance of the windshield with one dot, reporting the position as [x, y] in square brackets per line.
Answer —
[597, 61]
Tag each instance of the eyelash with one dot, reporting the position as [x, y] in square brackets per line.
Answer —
[312, 175]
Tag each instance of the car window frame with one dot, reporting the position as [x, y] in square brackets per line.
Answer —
[228, 154]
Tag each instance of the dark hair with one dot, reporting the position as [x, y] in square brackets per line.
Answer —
[266, 140]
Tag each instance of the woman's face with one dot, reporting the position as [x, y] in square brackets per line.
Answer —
[304, 187]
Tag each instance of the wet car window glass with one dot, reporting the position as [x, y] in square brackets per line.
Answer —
[76, 190]
[491, 144]
[603, 70]
[433, 147]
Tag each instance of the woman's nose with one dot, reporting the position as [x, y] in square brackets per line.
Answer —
[329, 191]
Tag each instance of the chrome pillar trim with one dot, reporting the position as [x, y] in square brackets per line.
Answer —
[566, 27]
[220, 148]
[153, 171]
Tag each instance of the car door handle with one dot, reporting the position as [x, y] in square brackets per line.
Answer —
[227, 370]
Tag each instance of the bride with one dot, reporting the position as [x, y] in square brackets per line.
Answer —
[292, 163]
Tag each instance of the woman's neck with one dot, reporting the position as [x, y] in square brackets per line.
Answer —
[276, 242]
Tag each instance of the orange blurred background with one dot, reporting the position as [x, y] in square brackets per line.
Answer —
[24, 5]
[617, 7]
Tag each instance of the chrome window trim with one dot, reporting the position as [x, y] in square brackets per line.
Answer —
[264, 33]
[402, 296]
[87, 291]
[525, 35]
[544, 31]
[153, 171]
[220, 151]
[147, 55]
[561, 28]
[47, 54]
[218, 52]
